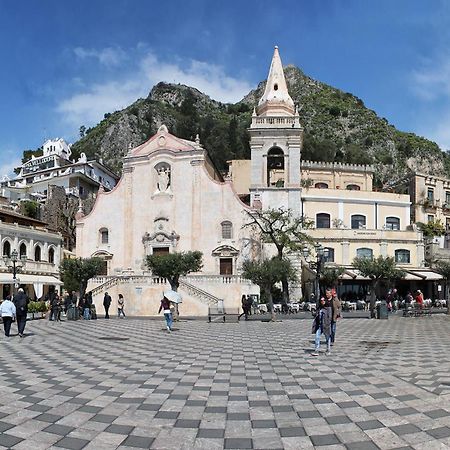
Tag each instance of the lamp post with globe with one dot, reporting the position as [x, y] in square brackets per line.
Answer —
[14, 263]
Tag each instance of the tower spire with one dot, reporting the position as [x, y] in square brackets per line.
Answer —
[276, 100]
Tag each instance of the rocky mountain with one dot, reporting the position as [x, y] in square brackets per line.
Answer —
[338, 127]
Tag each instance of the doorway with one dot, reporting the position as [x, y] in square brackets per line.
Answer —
[226, 266]
[160, 251]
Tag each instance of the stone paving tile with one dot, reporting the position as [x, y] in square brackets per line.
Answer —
[209, 389]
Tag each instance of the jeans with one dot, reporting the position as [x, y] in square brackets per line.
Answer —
[106, 311]
[318, 334]
[169, 320]
[333, 331]
[86, 314]
[120, 311]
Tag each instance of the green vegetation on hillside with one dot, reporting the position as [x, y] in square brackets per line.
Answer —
[337, 125]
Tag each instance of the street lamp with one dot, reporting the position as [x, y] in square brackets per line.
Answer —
[15, 264]
[317, 265]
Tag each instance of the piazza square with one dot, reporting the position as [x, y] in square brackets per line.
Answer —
[127, 384]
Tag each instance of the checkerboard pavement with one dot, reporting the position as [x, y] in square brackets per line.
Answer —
[234, 386]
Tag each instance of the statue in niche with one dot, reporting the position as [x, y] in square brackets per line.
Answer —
[163, 181]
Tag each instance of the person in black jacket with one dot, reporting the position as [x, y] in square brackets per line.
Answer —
[107, 303]
[20, 301]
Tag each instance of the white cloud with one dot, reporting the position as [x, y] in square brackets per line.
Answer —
[439, 130]
[90, 103]
[7, 165]
[108, 56]
[208, 78]
[431, 83]
[89, 107]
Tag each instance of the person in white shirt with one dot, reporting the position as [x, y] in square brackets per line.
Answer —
[8, 313]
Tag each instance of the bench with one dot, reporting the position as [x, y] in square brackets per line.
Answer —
[416, 311]
[216, 314]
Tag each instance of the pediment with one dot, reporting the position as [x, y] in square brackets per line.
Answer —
[163, 140]
[225, 250]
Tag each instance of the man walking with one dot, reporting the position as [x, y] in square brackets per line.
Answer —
[245, 308]
[333, 301]
[7, 312]
[21, 303]
[107, 303]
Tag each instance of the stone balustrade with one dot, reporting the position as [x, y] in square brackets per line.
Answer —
[269, 121]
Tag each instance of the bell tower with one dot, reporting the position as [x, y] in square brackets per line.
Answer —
[276, 140]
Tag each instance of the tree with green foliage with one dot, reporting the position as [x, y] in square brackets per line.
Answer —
[267, 273]
[76, 272]
[431, 229]
[187, 126]
[282, 228]
[329, 276]
[382, 268]
[30, 208]
[443, 267]
[172, 266]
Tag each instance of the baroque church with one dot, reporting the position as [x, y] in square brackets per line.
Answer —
[172, 198]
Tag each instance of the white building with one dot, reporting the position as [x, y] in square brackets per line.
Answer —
[38, 249]
[80, 178]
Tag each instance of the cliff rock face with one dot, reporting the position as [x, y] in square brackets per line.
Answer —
[338, 127]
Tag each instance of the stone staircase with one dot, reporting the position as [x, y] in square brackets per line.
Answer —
[105, 283]
[200, 294]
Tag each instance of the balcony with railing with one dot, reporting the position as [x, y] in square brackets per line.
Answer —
[274, 121]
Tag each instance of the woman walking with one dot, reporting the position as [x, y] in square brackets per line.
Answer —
[120, 306]
[165, 307]
[322, 325]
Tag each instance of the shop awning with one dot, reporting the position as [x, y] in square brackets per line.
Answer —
[426, 275]
[24, 278]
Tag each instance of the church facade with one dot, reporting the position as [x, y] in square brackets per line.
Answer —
[171, 198]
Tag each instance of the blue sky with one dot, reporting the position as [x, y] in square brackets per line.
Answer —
[65, 64]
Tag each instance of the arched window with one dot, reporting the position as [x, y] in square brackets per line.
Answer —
[104, 235]
[322, 220]
[275, 167]
[51, 255]
[37, 253]
[364, 253]
[358, 221]
[227, 230]
[353, 187]
[6, 248]
[402, 256]
[328, 254]
[23, 250]
[392, 223]
[321, 185]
